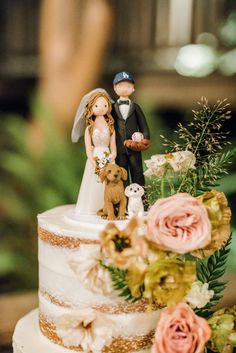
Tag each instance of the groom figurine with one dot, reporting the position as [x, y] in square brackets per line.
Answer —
[129, 119]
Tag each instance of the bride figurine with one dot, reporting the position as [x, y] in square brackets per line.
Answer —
[94, 120]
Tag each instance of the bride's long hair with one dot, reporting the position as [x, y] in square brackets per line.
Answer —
[90, 117]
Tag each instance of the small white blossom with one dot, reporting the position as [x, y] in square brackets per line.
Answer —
[199, 295]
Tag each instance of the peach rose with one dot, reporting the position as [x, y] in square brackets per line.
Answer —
[179, 223]
[180, 330]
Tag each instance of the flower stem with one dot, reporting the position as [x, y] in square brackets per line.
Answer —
[163, 185]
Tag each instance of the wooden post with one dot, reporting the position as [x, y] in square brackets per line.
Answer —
[72, 49]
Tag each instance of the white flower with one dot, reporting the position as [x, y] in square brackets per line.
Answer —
[180, 161]
[157, 161]
[86, 328]
[156, 165]
[89, 271]
[199, 295]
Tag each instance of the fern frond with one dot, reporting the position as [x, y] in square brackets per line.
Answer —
[209, 272]
[118, 278]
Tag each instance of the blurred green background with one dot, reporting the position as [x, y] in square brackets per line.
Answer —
[52, 55]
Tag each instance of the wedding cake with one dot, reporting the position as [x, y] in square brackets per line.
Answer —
[78, 307]
[146, 282]
[67, 248]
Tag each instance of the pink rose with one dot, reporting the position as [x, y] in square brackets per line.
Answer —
[179, 223]
[180, 330]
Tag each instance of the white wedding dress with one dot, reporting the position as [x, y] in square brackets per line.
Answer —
[91, 194]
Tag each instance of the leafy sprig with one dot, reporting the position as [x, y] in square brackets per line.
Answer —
[209, 272]
[214, 170]
[118, 278]
[205, 138]
[204, 133]
[153, 189]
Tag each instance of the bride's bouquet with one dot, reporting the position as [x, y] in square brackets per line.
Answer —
[102, 162]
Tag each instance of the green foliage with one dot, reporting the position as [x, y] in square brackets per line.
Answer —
[32, 182]
[153, 189]
[118, 277]
[210, 271]
[212, 172]
[205, 138]
[204, 135]
[38, 181]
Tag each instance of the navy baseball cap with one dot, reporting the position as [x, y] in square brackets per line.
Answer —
[123, 76]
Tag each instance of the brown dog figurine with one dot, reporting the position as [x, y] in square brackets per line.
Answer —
[114, 195]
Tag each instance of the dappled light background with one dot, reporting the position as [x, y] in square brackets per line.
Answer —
[52, 54]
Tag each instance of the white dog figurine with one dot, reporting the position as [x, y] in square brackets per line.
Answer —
[135, 205]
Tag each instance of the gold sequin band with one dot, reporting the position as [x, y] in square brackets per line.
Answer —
[53, 299]
[63, 241]
[118, 345]
[119, 308]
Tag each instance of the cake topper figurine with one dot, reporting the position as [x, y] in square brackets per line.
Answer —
[134, 192]
[132, 132]
[114, 194]
[94, 120]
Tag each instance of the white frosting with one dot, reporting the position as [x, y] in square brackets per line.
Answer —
[59, 281]
[57, 278]
[131, 324]
[70, 290]
[27, 338]
[55, 275]
[61, 220]
[57, 258]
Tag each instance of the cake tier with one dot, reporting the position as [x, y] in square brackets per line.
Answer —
[63, 221]
[27, 338]
[67, 247]
[63, 242]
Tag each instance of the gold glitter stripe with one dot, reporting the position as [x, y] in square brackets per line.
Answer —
[53, 299]
[119, 308]
[63, 241]
[118, 345]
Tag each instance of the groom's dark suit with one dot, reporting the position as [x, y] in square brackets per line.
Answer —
[124, 128]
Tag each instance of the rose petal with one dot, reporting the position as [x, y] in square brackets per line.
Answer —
[180, 330]
[179, 223]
